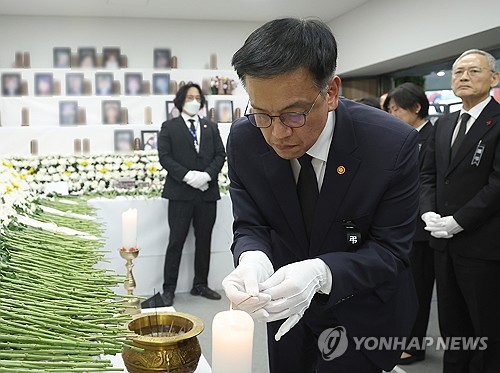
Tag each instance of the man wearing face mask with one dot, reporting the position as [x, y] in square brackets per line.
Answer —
[191, 150]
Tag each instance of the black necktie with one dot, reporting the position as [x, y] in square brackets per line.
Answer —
[193, 130]
[307, 191]
[461, 134]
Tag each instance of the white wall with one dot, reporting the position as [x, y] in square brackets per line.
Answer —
[191, 41]
[384, 30]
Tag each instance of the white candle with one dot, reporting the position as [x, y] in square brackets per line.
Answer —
[129, 229]
[232, 342]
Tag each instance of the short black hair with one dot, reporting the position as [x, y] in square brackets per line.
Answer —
[286, 44]
[180, 97]
[407, 96]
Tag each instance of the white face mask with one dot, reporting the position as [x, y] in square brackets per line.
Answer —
[191, 107]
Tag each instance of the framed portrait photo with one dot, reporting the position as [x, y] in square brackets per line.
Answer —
[44, 84]
[162, 58]
[161, 84]
[224, 111]
[111, 57]
[74, 84]
[111, 112]
[149, 140]
[62, 58]
[124, 140]
[87, 58]
[104, 84]
[11, 84]
[68, 113]
[172, 111]
[133, 84]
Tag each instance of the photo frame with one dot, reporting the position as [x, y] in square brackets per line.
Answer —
[44, 84]
[111, 112]
[161, 84]
[11, 85]
[68, 113]
[133, 84]
[172, 111]
[149, 140]
[87, 58]
[162, 58]
[224, 111]
[111, 57]
[74, 84]
[124, 140]
[104, 84]
[62, 58]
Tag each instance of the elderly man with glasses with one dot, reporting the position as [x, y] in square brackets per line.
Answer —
[325, 199]
[461, 209]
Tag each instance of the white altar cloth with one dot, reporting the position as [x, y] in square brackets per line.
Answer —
[152, 240]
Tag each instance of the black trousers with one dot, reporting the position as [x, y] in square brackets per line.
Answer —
[422, 262]
[180, 215]
[468, 292]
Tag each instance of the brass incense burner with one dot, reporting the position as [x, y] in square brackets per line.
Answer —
[169, 342]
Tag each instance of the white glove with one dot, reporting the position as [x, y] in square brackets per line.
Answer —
[254, 267]
[292, 289]
[198, 179]
[444, 227]
[430, 217]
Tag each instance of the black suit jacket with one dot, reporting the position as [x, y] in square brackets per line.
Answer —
[372, 293]
[424, 134]
[466, 187]
[178, 156]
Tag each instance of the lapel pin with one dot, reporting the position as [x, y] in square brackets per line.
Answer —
[488, 123]
[204, 126]
[340, 170]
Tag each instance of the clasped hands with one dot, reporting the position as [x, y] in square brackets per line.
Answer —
[197, 179]
[269, 296]
[441, 227]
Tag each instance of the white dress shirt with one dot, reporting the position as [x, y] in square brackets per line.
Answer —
[474, 114]
[319, 151]
[196, 126]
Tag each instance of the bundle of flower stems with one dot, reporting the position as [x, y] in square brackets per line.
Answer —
[57, 312]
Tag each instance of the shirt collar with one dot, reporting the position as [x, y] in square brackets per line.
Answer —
[321, 147]
[476, 110]
[188, 117]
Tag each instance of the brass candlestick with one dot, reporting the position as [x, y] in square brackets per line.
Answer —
[131, 302]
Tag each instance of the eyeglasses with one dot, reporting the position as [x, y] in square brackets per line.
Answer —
[472, 72]
[289, 119]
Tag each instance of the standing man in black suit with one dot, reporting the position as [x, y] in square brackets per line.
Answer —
[325, 199]
[409, 103]
[191, 150]
[461, 209]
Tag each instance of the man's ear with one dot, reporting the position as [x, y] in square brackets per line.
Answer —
[333, 93]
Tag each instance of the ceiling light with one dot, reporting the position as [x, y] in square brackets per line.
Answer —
[440, 73]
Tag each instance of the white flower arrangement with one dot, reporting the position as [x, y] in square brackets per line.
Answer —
[96, 173]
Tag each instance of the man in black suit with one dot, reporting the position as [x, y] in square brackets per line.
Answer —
[325, 198]
[409, 103]
[191, 150]
[461, 208]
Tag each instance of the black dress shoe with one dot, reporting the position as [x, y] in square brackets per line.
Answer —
[168, 298]
[205, 291]
[411, 359]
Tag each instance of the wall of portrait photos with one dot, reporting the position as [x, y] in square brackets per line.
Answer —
[79, 69]
[112, 108]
